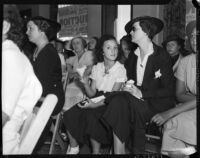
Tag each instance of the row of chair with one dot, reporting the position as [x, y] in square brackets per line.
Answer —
[35, 124]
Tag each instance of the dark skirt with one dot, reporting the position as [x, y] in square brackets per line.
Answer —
[86, 123]
[75, 122]
[127, 116]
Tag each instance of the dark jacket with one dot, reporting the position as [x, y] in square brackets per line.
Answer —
[160, 91]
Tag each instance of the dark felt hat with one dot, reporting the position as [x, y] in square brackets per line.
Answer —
[52, 30]
[174, 37]
[189, 28]
[152, 20]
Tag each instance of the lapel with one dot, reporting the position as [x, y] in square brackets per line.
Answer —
[131, 69]
[150, 65]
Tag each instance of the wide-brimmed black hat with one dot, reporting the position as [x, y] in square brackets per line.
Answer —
[189, 28]
[174, 37]
[152, 20]
[52, 30]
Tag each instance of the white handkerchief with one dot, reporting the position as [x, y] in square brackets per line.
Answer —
[158, 74]
[97, 99]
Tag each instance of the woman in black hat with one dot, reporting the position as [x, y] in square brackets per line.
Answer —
[46, 62]
[152, 92]
[176, 48]
[179, 136]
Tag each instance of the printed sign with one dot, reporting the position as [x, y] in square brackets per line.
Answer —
[73, 20]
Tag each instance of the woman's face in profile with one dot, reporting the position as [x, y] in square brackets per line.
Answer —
[33, 32]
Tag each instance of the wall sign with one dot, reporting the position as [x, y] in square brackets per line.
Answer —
[73, 20]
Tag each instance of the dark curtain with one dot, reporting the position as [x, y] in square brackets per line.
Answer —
[174, 18]
[53, 12]
[109, 14]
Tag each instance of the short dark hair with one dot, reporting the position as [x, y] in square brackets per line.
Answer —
[99, 52]
[15, 33]
[82, 40]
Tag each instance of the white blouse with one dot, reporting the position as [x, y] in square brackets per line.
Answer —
[105, 82]
[20, 91]
[86, 59]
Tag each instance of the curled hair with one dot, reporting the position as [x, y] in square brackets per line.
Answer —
[15, 33]
[44, 26]
[148, 27]
[99, 52]
[82, 40]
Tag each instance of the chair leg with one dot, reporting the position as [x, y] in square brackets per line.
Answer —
[55, 130]
[60, 141]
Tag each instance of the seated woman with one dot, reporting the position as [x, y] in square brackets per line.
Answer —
[83, 58]
[152, 92]
[20, 87]
[108, 75]
[46, 64]
[176, 48]
[180, 137]
[126, 47]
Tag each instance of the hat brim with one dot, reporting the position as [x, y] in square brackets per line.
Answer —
[173, 38]
[154, 21]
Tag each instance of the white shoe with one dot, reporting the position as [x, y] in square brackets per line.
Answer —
[72, 150]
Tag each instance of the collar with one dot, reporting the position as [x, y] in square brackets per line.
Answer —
[150, 50]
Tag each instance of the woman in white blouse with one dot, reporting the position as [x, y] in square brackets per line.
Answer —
[107, 76]
[20, 87]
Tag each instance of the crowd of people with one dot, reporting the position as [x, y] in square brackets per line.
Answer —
[113, 89]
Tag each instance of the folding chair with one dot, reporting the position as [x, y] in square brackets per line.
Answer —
[153, 138]
[34, 125]
[56, 137]
[55, 127]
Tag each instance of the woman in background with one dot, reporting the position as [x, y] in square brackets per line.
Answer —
[20, 87]
[126, 47]
[175, 46]
[82, 60]
[180, 137]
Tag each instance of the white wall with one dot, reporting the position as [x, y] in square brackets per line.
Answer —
[123, 16]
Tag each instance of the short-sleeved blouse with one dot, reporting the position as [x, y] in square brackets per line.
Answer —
[86, 59]
[186, 72]
[105, 82]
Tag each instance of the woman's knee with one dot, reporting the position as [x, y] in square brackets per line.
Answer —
[118, 102]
